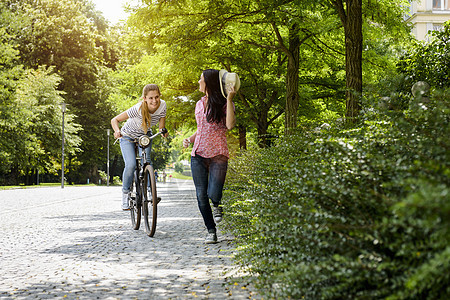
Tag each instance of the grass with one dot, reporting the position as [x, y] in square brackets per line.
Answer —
[9, 187]
[180, 176]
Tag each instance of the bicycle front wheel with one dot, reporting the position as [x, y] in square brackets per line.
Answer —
[134, 201]
[149, 201]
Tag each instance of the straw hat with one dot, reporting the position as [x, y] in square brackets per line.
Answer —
[227, 79]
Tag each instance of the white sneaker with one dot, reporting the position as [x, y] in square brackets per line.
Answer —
[211, 238]
[125, 204]
[217, 213]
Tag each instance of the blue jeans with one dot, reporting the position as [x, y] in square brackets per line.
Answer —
[129, 157]
[209, 177]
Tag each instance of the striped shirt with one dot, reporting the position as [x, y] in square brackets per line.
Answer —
[133, 126]
[211, 139]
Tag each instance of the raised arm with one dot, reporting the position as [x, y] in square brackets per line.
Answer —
[231, 116]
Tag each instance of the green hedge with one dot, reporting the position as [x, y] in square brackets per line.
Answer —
[349, 214]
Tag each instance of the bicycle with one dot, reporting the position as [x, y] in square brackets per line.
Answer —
[139, 193]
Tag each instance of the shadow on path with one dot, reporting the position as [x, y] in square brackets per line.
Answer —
[79, 245]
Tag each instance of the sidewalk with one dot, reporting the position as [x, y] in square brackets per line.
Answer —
[76, 243]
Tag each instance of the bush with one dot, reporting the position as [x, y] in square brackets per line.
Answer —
[104, 177]
[349, 214]
[429, 61]
[117, 180]
[179, 167]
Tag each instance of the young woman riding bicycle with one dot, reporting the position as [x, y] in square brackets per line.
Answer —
[139, 120]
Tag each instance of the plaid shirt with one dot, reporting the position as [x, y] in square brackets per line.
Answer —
[211, 138]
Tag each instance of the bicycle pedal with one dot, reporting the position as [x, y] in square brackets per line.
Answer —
[158, 200]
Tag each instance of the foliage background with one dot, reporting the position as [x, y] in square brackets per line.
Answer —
[332, 211]
[360, 213]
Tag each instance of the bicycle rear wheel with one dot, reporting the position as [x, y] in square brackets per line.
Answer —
[149, 203]
[135, 206]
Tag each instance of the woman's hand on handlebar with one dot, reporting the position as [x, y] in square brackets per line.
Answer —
[164, 132]
[117, 134]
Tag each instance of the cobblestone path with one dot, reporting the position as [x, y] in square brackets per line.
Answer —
[76, 243]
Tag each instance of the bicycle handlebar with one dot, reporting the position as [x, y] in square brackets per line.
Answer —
[162, 131]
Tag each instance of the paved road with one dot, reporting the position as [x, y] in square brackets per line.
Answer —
[76, 243]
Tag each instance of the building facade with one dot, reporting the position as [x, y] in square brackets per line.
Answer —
[426, 15]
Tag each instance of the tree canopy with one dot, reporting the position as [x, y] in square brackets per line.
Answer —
[338, 178]
[290, 56]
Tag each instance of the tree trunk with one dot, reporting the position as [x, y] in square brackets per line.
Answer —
[14, 175]
[27, 177]
[113, 169]
[353, 59]
[262, 128]
[292, 97]
[242, 137]
[259, 115]
[351, 19]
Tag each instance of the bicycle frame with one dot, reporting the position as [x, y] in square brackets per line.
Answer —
[143, 143]
[144, 181]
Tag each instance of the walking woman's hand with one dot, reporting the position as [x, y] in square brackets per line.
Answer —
[186, 143]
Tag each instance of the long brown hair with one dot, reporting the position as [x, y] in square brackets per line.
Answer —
[146, 118]
[216, 101]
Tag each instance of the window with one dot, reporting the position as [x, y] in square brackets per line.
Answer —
[441, 5]
[437, 27]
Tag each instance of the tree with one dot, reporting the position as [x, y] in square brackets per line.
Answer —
[429, 62]
[351, 18]
[227, 34]
[81, 52]
[30, 116]
[263, 101]
[34, 123]
[385, 15]
[10, 72]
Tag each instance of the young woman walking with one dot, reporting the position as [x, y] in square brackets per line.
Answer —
[215, 115]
